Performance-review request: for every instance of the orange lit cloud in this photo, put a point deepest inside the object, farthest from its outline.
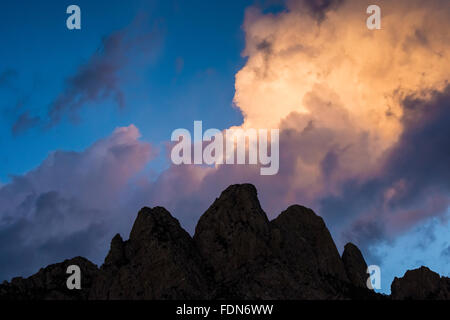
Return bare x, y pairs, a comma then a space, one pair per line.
292, 55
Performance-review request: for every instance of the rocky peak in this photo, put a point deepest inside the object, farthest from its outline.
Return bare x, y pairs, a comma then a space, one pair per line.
238, 204
50, 283
116, 254
307, 238
159, 261
236, 253
421, 284
154, 223
355, 265
244, 250
234, 231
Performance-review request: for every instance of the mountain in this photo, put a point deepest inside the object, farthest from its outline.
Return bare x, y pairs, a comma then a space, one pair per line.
235, 253
421, 284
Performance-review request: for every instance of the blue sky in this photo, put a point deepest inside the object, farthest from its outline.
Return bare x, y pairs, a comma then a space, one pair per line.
189, 74
176, 63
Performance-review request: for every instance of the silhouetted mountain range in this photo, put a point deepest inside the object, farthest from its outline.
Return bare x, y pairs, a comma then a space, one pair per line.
236, 253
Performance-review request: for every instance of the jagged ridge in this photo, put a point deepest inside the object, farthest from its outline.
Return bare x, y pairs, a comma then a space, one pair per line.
236, 253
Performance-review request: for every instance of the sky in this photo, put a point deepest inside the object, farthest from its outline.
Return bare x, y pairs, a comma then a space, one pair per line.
87, 116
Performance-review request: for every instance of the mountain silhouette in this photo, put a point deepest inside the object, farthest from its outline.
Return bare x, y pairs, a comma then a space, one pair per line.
235, 253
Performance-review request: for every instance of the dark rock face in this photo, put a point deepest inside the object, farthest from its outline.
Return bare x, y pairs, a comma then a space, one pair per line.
306, 234
355, 265
421, 284
233, 231
50, 283
303, 244
236, 253
159, 261
291, 257
233, 237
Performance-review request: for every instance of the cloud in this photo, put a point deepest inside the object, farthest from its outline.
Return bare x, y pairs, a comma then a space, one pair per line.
49, 234
363, 139
318, 8
364, 135
94, 81
446, 253
290, 55
413, 183
361, 115
409, 186
97, 80
71, 204
348, 101
24, 122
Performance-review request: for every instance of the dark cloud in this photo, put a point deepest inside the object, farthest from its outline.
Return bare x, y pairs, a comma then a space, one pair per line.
329, 163
42, 238
365, 231
72, 204
24, 122
98, 79
421, 156
414, 182
94, 81
318, 8
411, 186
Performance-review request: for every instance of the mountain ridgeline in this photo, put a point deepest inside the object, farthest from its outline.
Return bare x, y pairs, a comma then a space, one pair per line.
235, 253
